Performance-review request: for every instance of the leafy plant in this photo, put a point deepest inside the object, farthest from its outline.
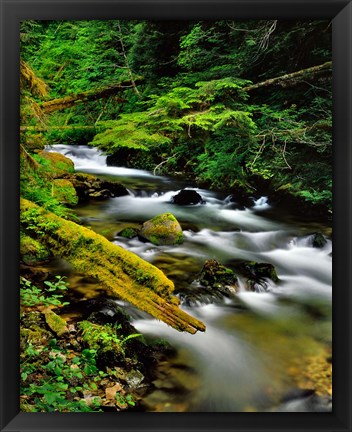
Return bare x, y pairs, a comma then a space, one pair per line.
31, 295
60, 381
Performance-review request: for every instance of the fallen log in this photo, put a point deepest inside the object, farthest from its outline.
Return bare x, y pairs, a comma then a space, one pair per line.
41, 128
123, 273
91, 95
292, 78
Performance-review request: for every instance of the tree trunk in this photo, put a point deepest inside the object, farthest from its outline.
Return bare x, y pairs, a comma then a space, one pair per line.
127, 63
123, 273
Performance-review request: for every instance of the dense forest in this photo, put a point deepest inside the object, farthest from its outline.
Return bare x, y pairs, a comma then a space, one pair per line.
240, 108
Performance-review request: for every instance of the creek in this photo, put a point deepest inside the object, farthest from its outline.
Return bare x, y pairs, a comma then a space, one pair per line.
256, 344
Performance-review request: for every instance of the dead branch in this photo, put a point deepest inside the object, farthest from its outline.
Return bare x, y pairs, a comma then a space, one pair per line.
293, 78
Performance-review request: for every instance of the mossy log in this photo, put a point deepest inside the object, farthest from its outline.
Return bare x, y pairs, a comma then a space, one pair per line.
123, 273
90, 95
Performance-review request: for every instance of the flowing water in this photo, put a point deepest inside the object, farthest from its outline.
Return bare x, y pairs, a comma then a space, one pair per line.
256, 344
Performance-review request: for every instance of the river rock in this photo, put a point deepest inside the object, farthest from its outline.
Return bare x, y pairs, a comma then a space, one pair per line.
57, 324
319, 241
187, 197
134, 378
257, 274
163, 229
90, 187
218, 277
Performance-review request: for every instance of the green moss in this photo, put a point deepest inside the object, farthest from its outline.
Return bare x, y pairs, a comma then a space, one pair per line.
56, 163
32, 251
64, 191
36, 175
55, 322
100, 337
123, 273
163, 229
128, 232
35, 336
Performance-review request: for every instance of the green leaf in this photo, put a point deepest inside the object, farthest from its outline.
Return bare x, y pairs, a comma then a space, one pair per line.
50, 398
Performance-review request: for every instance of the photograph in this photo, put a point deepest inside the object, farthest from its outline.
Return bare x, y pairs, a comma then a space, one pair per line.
176, 215
175, 219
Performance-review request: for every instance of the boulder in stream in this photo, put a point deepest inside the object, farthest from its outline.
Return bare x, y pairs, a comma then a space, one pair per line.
218, 277
257, 274
187, 197
90, 187
319, 241
163, 229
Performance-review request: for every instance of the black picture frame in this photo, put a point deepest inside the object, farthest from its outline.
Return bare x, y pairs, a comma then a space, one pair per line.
340, 12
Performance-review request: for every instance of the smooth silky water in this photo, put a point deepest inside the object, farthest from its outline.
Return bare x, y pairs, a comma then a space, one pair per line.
244, 360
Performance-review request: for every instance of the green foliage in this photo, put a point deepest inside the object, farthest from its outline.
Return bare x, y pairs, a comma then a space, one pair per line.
124, 400
61, 380
104, 337
130, 132
194, 115
50, 295
36, 185
223, 159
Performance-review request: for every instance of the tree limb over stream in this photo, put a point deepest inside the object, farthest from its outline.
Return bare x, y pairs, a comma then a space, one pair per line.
123, 273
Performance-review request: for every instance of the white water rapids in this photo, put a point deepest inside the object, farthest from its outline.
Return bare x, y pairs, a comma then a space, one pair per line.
239, 363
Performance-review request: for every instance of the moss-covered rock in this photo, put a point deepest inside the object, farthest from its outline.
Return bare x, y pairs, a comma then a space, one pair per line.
55, 322
163, 229
32, 251
64, 191
105, 340
56, 163
218, 277
257, 274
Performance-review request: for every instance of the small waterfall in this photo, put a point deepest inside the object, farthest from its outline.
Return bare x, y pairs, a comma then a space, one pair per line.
261, 203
